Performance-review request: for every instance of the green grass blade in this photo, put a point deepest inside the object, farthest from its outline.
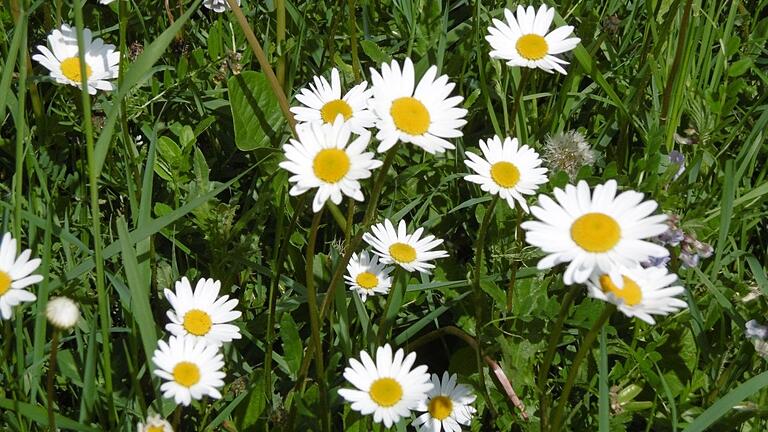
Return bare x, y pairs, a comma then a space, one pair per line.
724, 405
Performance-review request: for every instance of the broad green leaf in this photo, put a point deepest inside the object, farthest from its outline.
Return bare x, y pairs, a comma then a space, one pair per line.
255, 111
292, 346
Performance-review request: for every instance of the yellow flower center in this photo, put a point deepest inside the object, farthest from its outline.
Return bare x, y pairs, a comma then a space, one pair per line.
70, 67
402, 253
197, 322
5, 282
440, 407
332, 109
505, 174
155, 429
331, 165
596, 232
367, 280
186, 374
386, 392
532, 47
630, 293
410, 115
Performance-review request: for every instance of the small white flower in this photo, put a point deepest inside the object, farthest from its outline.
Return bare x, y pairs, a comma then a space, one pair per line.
421, 114
106, 2
323, 103
448, 406
594, 229
63, 61
527, 41
202, 313
155, 423
367, 276
389, 389
218, 6
15, 275
755, 330
323, 158
191, 368
507, 170
637, 291
409, 251
62, 312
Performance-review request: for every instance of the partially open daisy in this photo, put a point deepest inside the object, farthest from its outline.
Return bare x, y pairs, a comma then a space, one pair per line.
448, 406
367, 276
202, 313
527, 41
64, 63
421, 114
389, 388
218, 6
409, 251
15, 275
191, 368
637, 291
323, 102
507, 170
155, 423
322, 159
594, 231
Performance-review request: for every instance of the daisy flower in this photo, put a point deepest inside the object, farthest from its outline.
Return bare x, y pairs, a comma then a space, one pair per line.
323, 158
637, 291
202, 314
367, 276
594, 231
191, 368
155, 423
389, 388
421, 114
323, 103
527, 41
15, 275
409, 251
447, 406
507, 170
62, 60
218, 6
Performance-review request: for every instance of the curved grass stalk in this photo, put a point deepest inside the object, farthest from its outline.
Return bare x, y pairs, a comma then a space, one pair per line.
325, 415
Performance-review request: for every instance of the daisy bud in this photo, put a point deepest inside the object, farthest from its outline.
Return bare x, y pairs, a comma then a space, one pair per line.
62, 312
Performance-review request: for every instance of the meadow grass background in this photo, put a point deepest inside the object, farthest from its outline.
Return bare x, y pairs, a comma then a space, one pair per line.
188, 184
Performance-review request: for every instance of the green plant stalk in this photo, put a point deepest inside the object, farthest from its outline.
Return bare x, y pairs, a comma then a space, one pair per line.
586, 345
516, 264
676, 62
18, 176
518, 100
478, 295
96, 216
280, 39
554, 337
282, 100
352, 29
51, 375
325, 414
388, 317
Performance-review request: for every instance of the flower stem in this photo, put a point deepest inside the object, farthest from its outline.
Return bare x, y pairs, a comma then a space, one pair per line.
176, 418
395, 297
280, 39
554, 337
314, 322
516, 263
573, 371
51, 375
352, 29
478, 295
98, 255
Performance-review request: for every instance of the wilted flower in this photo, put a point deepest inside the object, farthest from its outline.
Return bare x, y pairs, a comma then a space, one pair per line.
568, 151
753, 329
678, 159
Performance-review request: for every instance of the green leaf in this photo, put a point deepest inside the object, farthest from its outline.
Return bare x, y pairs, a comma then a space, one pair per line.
39, 415
255, 111
374, 52
292, 346
257, 402
739, 67
727, 402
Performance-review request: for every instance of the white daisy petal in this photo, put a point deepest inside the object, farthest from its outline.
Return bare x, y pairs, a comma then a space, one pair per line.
15, 275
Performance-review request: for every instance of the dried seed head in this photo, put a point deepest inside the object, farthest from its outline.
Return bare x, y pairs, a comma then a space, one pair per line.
568, 151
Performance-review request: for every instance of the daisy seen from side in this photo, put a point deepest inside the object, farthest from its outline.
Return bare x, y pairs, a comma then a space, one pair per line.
420, 113
507, 169
409, 251
638, 292
201, 313
191, 368
323, 102
218, 6
63, 61
15, 276
525, 40
154, 423
389, 389
594, 230
448, 406
324, 158
367, 276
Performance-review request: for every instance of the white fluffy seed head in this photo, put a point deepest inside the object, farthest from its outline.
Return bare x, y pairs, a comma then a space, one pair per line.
62, 312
